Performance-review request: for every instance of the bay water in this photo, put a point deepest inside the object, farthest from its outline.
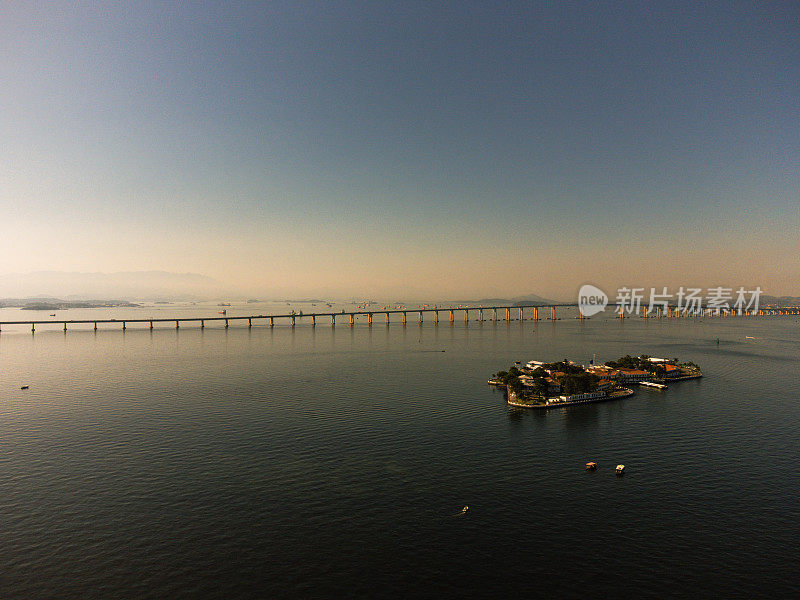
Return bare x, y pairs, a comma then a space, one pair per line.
335, 461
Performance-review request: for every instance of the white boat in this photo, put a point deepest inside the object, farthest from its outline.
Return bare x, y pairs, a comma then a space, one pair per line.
653, 384
620, 469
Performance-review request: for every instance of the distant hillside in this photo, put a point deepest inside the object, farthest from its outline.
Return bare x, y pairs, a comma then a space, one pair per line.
129, 285
779, 301
42, 303
528, 300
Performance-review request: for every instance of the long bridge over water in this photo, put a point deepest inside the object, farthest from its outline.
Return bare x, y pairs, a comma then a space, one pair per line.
482, 313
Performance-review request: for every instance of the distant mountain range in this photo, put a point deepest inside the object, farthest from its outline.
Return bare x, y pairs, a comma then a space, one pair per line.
129, 285
528, 300
779, 301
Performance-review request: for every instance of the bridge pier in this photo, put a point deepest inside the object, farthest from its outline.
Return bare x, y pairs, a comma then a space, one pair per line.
65, 326
387, 318
226, 322
420, 317
249, 322
123, 326
452, 317
535, 313
494, 314
202, 324
313, 320
436, 317
552, 313
95, 326
177, 324
151, 325
466, 315
520, 314
33, 328
369, 318
404, 318
480, 315
508, 314
272, 321
333, 321
352, 319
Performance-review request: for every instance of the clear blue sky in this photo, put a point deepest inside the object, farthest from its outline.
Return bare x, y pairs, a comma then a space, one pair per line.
430, 149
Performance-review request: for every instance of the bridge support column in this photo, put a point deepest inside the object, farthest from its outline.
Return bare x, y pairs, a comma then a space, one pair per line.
272, 321
151, 325
249, 322
65, 326
520, 314
420, 317
352, 319
535, 314
436, 317
369, 318
387, 318
333, 321
452, 317
95, 326
202, 324
123, 326
177, 324
33, 328
313, 320
404, 318
226, 322
480, 315
552, 313
466, 315
508, 314
494, 314
580, 315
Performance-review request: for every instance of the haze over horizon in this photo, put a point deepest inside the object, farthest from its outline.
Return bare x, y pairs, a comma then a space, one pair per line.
410, 150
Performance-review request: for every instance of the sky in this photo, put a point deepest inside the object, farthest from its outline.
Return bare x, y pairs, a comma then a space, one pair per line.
396, 150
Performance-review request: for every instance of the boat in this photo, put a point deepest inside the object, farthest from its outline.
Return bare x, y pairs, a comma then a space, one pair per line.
222, 312
620, 469
591, 466
465, 509
653, 384
53, 315
24, 387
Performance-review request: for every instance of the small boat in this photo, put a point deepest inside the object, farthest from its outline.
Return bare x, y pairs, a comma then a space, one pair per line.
24, 387
53, 315
653, 384
591, 466
620, 469
465, 509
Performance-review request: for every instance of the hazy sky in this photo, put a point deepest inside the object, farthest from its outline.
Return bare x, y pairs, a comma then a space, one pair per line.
404, 149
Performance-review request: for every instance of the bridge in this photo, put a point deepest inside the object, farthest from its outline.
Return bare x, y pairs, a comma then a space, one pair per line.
483, 313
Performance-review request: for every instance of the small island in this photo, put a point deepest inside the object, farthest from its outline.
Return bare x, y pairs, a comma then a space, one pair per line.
548, 385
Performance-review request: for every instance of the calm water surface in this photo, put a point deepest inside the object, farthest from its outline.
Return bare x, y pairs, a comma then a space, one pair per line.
320, 462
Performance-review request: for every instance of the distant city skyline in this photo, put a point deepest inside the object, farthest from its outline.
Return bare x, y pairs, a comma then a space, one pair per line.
408, 150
